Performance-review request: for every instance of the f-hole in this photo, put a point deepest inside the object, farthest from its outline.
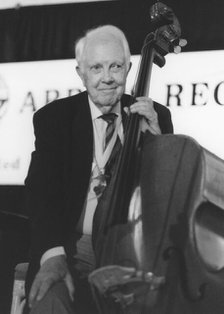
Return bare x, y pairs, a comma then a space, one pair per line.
209, 235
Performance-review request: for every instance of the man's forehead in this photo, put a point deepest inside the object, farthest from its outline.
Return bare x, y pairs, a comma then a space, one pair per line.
101, 36
102, 40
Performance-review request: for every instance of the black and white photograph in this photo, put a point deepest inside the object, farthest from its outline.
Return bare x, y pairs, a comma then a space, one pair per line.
111, 157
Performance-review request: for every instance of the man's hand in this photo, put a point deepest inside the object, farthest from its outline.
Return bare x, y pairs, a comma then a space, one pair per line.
52, 271
144, 107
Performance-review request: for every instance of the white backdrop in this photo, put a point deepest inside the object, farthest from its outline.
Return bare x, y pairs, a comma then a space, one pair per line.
5, 4
191, 84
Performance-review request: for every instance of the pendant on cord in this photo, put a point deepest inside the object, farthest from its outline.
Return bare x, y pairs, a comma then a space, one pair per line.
102, 178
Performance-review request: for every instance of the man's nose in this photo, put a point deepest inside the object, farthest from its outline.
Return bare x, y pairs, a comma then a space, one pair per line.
107, 76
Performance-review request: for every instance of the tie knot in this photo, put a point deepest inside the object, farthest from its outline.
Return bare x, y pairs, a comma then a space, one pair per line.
109, 117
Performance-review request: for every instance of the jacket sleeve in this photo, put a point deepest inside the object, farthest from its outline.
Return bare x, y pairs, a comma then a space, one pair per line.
164, 118
44, 185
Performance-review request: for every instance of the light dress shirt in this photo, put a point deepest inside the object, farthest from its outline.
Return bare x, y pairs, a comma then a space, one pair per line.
100, 159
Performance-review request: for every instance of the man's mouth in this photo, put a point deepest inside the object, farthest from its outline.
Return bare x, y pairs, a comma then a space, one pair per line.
107, 90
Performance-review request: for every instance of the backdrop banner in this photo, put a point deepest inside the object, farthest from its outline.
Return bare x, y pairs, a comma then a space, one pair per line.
6, 4
191, 85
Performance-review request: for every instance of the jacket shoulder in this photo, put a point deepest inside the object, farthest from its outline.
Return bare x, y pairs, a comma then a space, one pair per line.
160, 108
62, 106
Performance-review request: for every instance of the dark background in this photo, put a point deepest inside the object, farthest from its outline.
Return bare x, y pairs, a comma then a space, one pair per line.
49, 32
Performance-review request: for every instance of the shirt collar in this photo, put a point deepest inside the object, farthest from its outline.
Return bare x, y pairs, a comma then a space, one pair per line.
96, 113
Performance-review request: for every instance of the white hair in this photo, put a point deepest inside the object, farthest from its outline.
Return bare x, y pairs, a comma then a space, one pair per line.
103, 32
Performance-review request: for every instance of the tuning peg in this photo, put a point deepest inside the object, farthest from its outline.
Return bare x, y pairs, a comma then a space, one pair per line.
177, 49
182, 43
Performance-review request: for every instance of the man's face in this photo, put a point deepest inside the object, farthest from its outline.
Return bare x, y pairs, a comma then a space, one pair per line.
104, 72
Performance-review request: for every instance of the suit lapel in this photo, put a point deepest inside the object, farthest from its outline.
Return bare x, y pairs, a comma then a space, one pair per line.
82, 150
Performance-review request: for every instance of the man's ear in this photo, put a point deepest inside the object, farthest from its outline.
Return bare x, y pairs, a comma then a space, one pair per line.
79, 72
130, 65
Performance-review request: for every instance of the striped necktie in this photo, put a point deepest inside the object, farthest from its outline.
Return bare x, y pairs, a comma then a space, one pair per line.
110, 119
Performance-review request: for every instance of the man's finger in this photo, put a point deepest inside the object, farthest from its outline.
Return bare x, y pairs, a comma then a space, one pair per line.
144, 98
45, 286
34, 291
143, 107
70, 285
21, 306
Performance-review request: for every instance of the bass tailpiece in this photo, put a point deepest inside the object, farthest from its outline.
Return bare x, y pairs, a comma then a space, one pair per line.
124, 286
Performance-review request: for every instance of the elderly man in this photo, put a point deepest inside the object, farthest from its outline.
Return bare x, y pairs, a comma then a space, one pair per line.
67, 166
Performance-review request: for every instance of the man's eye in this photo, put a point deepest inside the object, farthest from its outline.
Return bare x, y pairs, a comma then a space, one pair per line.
96, 68
116, 67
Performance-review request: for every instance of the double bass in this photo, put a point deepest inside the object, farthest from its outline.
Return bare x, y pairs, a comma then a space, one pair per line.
159, 242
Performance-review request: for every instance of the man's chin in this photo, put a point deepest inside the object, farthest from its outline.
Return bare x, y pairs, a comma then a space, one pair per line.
108, 102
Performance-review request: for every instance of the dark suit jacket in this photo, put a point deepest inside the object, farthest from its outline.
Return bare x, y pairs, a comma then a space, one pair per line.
58, 177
